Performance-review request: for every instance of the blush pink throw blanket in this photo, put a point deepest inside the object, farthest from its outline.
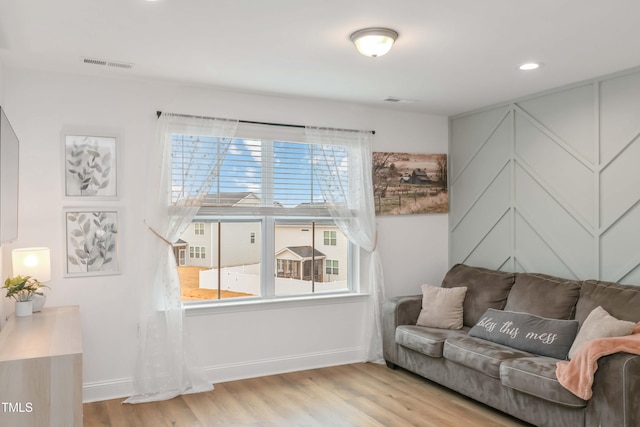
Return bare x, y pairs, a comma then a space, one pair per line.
577, 374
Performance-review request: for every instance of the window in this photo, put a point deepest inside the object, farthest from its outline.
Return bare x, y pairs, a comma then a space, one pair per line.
333, 267
302, 266
329, 238
197, 252
198, 228
233, 268
266, 188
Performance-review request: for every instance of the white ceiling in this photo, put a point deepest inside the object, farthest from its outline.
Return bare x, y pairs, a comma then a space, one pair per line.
452, 55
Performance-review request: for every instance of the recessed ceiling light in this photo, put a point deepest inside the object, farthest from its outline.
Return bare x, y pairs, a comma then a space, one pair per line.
529, 66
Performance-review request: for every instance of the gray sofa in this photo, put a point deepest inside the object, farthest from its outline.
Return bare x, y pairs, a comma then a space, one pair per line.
516, 382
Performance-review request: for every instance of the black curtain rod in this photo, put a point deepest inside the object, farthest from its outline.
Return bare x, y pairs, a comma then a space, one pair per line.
159, 113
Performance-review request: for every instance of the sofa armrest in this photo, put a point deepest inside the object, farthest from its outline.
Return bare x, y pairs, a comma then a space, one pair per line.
395, 312
616, 392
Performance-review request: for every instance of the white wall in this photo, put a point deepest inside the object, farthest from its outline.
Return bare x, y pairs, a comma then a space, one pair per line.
231, 343
413, 247
1, 84
4, 305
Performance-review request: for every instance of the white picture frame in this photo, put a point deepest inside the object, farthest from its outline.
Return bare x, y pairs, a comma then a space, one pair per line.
90, 166
92, 241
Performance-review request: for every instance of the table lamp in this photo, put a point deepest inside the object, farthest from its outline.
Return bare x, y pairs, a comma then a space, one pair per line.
34, 262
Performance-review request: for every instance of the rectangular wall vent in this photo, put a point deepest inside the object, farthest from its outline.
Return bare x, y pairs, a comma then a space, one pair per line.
107, 63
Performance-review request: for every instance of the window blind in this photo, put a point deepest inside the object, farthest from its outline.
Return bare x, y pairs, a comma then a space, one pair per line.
254, 175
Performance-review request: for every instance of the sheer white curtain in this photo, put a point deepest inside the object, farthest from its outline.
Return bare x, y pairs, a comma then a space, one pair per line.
182, 166
342, 160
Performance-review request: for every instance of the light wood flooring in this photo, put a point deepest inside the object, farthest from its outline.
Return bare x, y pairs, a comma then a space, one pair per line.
362, 394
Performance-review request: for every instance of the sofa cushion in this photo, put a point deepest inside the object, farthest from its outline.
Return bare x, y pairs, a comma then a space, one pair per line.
478, 354
524, 331
429, 341
621, 301
543, 295
441, 307
600, 324
485, 289
537, 376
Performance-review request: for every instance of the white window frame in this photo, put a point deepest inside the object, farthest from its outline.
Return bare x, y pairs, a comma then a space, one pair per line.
335, 267
268, 218
198, 228
197, 252
332, 239
268, 267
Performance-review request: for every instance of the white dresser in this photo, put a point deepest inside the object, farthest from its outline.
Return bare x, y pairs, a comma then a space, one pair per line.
41, 369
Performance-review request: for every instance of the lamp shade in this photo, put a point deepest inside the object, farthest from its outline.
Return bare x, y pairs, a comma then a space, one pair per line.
34, 262
374, 42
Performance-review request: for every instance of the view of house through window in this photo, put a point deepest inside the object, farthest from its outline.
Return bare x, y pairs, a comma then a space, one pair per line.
303, 258
221, 244
264, 229
226, 265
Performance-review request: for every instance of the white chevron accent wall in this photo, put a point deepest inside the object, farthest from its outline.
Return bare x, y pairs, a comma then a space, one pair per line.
550, 183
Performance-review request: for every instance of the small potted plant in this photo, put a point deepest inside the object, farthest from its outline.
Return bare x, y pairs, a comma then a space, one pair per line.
22, 289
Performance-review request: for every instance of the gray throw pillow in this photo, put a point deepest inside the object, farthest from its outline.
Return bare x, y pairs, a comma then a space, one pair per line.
600, 324
543, 295
527, 332
441, 307
485, 289
621, 301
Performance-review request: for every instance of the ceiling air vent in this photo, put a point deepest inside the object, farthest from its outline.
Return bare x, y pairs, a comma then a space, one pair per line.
107, 63
398, 100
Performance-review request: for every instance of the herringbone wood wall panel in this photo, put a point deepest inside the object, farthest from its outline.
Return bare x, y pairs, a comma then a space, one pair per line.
551, 183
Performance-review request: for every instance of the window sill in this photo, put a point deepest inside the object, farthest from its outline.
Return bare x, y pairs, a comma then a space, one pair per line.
208, 308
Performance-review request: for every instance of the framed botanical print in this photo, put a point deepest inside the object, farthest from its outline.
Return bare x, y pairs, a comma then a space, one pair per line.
92, 242
90, 166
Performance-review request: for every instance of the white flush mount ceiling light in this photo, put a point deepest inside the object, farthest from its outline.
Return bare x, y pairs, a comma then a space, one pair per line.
374, 42
529, 66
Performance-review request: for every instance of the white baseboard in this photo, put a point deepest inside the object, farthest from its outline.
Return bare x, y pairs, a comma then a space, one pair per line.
107, 390
122, 388
261, 368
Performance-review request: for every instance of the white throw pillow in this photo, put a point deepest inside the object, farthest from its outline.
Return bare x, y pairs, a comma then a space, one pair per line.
600, 324
441, 307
